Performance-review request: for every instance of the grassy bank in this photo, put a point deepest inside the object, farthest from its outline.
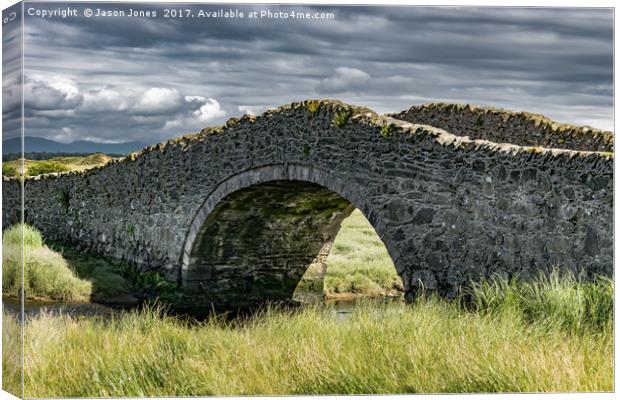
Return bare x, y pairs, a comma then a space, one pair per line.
359, 264
108, 283
512, 338
47, 274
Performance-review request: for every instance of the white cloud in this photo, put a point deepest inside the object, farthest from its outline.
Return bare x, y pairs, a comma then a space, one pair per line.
252, 110
345, 79
195, 99
55, 113
210, 110
173, 124
102, 140
66, 135
105, 99
11, 94
51, 93
159, 100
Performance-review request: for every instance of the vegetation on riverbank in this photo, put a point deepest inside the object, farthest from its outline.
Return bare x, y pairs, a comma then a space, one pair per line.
109, 283
553, 335
47, 274
359, 264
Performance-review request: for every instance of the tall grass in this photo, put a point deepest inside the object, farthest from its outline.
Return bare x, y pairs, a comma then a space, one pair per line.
12, 237
47, 274
359, 264
557, 299
432, 346
11, 355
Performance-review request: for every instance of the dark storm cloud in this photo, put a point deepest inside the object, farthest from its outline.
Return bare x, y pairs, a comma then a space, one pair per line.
123, 78
11, 72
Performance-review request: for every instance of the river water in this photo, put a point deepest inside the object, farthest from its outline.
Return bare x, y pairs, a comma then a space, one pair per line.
33, 308
341, 309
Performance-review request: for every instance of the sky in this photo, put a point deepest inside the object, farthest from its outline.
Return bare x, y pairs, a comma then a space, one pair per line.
115, 79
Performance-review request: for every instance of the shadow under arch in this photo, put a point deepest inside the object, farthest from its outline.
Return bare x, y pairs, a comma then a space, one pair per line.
259, 231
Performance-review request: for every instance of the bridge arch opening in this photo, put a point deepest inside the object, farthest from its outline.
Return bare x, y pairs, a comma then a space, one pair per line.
254, 240
358, 264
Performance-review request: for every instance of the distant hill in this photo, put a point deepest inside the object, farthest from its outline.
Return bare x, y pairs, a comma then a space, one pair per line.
34, 144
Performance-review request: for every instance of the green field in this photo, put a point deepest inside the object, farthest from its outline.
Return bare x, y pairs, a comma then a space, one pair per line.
359, 264
56, 164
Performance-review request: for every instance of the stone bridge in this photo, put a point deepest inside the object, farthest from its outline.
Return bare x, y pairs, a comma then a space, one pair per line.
236, 215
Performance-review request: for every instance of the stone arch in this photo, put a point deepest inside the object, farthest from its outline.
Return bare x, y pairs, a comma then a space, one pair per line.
206, 261
450, 208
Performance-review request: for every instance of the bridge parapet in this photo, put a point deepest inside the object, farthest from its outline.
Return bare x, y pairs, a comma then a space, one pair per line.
502, 126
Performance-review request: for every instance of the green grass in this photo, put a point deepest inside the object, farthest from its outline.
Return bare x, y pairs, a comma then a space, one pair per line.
359, 264
107, 281
13, 236
11, 355
341, 118
46, 167
47, 275
59, 272
9, 170
432, 346
558, 299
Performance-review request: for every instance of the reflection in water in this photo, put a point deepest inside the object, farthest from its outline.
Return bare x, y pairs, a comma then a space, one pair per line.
343, 309
32, 308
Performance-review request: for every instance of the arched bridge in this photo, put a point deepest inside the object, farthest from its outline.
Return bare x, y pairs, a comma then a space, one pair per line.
235, 215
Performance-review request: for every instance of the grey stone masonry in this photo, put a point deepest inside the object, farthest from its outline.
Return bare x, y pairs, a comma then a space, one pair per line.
235, 215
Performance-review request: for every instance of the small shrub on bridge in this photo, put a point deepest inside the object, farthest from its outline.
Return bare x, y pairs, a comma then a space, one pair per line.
313, 107
386, 131
341, 119
479, 121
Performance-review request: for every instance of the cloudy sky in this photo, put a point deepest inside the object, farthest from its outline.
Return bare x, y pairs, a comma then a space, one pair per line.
118, 78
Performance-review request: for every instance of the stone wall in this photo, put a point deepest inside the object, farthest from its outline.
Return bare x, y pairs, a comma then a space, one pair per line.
448, 208
503, 126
